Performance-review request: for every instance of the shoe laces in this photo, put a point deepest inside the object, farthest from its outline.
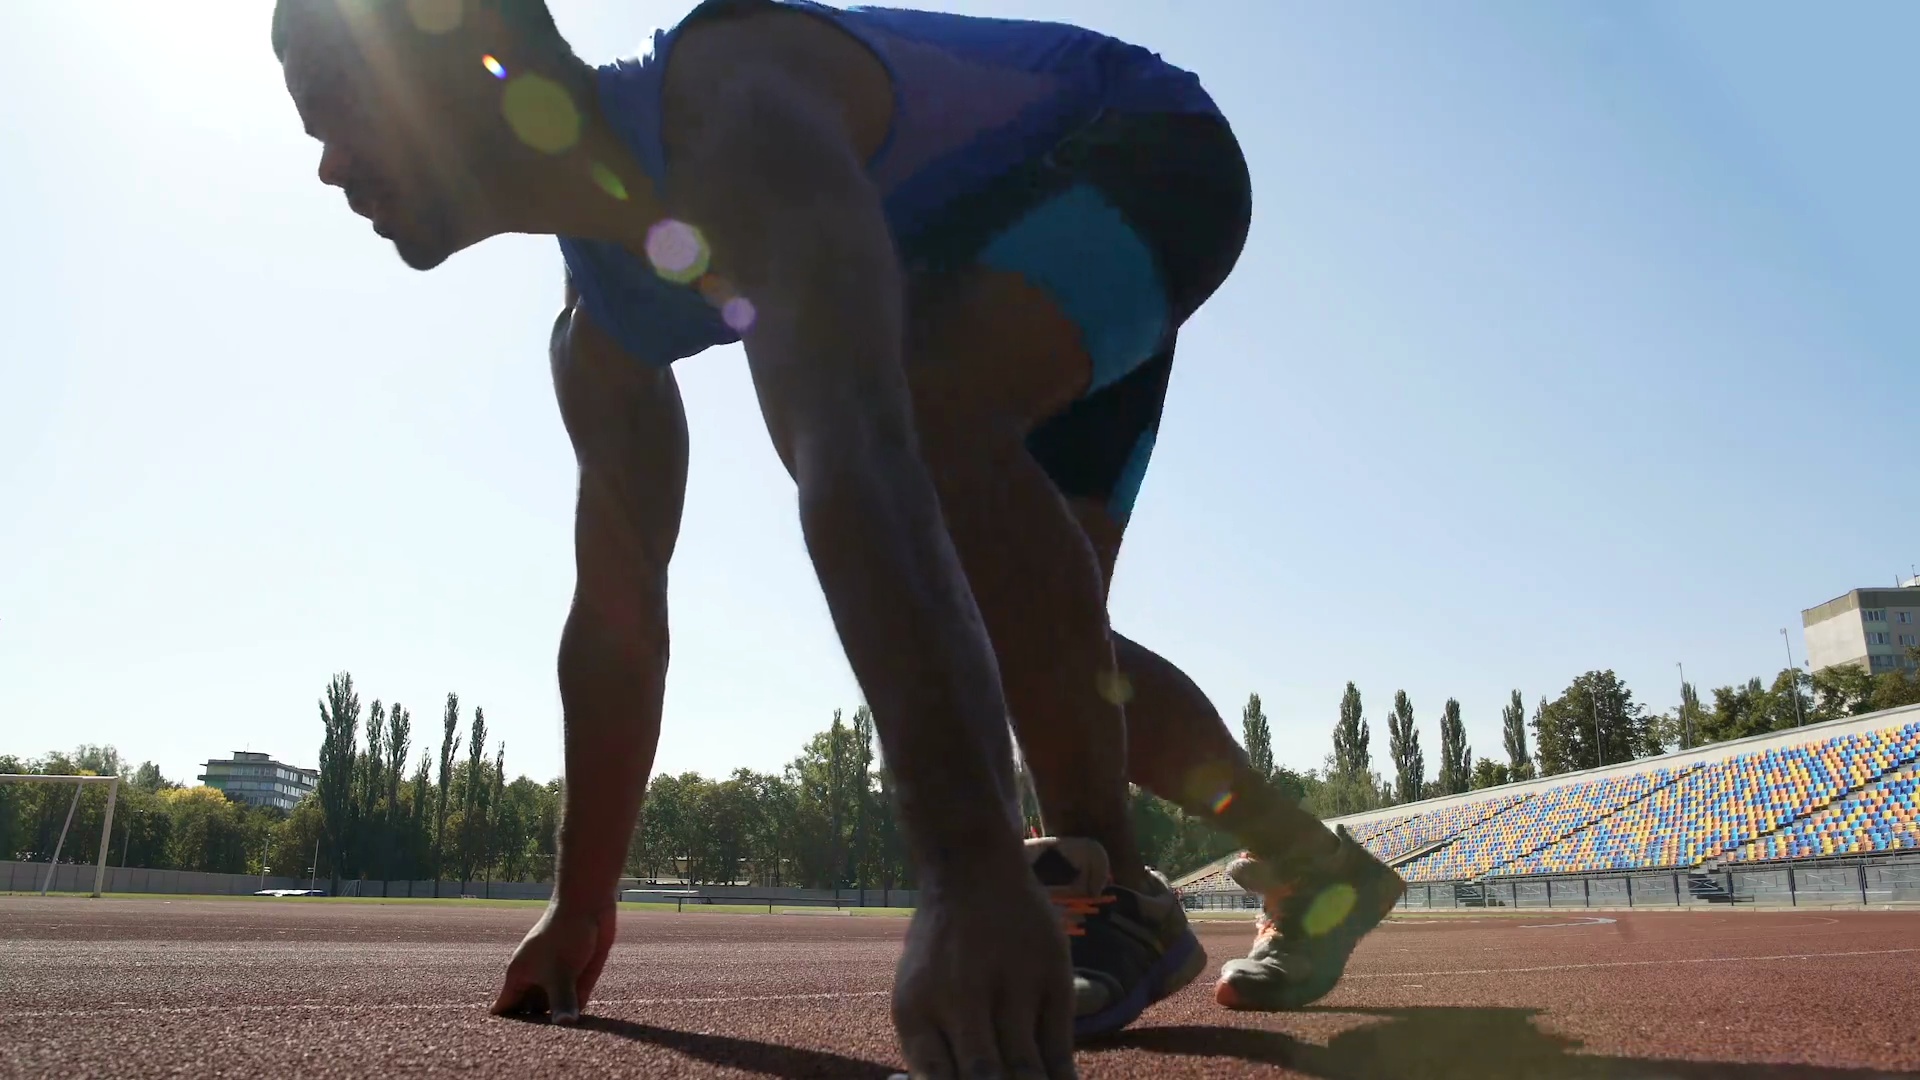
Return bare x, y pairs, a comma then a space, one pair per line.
1074, 910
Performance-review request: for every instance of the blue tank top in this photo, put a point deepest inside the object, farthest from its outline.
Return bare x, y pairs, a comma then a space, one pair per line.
973, 98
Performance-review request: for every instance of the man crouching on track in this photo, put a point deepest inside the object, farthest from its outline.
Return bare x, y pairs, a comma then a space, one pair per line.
958, 252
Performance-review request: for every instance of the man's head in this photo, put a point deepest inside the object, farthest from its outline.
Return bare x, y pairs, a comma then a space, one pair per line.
413, 103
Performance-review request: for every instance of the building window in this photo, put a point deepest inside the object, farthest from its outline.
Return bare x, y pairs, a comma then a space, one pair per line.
1878, 637
1910, 639
1874, 614
1903, 616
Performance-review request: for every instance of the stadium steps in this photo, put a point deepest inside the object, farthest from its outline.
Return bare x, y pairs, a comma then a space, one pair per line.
1422, 852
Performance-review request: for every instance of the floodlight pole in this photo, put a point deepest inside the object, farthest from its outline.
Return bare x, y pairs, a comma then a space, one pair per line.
1686, 717
1798, 719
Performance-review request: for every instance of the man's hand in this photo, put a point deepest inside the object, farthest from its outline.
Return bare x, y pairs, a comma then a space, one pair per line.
557, 964
985, 987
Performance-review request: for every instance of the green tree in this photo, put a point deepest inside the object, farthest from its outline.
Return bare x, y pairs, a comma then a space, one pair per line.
418, 819
471, 834
393, 843
339, 721
148, 779
1403, 742
205, 832
1490, 773
1257, 736
1513, 732
1842, 690
1456, 757
1594, 722
449, 750
1351, 756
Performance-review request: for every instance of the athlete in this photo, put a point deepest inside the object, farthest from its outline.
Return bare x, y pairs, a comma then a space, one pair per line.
958, 252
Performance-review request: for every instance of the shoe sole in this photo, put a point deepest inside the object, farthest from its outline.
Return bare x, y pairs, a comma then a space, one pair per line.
1177, 967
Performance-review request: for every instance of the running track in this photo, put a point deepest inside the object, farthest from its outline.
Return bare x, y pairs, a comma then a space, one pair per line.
128, 988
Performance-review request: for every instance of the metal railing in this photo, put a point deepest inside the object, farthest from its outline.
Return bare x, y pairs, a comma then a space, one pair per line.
1832, 882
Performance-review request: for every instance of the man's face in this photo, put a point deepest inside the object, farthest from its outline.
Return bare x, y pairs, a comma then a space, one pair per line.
404, 130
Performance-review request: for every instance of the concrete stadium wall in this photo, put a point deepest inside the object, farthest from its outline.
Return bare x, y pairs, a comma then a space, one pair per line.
78, 877
24, 877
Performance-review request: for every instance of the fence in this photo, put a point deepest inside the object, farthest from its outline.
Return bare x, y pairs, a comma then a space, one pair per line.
21, 877
1813, 883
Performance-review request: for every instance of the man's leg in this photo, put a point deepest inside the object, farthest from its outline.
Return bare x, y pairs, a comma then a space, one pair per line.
991, 354
1179, 747
1321, 891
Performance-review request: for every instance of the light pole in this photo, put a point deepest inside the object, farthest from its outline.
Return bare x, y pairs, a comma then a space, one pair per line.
266, 852
1798, 719
1599, 757
1686, 716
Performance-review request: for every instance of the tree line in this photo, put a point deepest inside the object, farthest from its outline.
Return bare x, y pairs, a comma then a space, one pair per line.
827, 818
1594, 721
381, 813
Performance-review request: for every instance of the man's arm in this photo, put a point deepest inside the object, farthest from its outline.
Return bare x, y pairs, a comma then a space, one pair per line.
629, 435
769, 164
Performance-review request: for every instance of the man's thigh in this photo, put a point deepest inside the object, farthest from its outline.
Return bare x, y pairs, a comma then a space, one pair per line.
1077, 272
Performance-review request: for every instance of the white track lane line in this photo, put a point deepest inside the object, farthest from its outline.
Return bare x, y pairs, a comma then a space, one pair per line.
1623, 963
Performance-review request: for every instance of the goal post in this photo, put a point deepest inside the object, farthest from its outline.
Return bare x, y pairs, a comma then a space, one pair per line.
106, 820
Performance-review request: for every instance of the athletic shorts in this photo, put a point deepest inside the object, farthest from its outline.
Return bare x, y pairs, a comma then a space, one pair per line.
1130, 223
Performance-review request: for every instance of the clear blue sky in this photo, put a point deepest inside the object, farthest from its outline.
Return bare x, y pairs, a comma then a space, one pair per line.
1569, 335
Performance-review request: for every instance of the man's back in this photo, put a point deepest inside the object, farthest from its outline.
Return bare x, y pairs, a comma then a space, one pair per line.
973, 99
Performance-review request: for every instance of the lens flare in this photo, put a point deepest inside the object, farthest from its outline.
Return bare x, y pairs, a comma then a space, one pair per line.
1114, 687
541, 113
608, 182
1329, 909
715, 289
677, 251
1221, 802
494, 67
738, 314
436, 16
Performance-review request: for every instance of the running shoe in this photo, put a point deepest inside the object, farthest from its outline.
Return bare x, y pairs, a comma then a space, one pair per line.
1311, 917
1130, 948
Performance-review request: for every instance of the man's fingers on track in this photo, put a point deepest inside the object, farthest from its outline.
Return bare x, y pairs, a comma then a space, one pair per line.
1055, 1031
508, 999
928, 1057
564, 998
590, 978
1017, 1024
514, 993
976, 1049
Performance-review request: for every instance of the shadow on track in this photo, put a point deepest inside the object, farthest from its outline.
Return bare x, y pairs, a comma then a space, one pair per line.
768, 1059
1451, 1044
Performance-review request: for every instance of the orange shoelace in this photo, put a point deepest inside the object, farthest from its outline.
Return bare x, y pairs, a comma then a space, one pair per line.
1075, 909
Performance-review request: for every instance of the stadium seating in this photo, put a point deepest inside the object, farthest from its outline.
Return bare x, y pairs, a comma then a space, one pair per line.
1534, 823
1715, 809
1880, 817
1798, 795
1411, 833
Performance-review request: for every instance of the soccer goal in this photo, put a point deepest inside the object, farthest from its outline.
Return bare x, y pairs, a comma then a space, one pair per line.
106, 824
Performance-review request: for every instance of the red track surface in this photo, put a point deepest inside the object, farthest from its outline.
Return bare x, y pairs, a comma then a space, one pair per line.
254, 988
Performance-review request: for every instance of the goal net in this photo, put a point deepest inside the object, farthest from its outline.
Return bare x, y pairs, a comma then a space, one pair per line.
106, 824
